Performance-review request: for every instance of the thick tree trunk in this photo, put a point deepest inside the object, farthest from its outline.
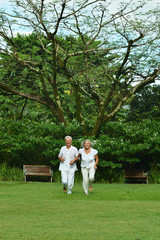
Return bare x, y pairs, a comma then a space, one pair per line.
54, 85
99, 120
79, 111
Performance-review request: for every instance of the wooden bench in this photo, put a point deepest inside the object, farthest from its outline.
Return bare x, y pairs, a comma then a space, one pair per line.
135, 175
37, 170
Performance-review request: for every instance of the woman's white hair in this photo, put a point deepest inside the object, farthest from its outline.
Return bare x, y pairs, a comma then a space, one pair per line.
87, 140
68, 137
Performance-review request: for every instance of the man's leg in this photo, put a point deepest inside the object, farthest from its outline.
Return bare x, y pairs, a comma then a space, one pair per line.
85, 179
64, 180
91, 177
70, 181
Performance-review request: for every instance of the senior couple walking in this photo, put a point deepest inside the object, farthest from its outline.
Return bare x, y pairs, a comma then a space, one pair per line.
68, 157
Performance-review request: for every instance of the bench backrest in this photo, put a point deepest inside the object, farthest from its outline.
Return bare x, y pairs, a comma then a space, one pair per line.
134, 172
36, 169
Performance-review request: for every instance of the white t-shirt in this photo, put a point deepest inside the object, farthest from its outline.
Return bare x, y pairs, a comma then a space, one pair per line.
88, 159
68, 155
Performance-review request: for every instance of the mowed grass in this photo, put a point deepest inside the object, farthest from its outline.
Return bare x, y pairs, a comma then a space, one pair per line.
41, 211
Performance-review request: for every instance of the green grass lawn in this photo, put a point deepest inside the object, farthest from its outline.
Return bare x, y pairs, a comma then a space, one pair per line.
41, 211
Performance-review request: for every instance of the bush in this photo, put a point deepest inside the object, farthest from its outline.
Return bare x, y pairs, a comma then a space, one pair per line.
130, 143
154, 175
119, 145
109, 175
24, 142
10, 173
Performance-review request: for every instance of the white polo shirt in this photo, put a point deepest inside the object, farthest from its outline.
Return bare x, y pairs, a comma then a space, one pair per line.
88, 159
68, 155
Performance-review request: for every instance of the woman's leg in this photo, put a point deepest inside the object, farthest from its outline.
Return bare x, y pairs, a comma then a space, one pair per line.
91, 177
85, 179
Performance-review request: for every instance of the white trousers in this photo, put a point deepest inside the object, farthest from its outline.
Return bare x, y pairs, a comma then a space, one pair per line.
88, 177
67, 179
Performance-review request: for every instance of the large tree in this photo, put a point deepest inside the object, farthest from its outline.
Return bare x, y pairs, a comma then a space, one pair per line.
116, 57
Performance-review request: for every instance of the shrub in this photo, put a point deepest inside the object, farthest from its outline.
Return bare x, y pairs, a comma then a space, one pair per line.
154, 175
109, 175
119, 144
10, 173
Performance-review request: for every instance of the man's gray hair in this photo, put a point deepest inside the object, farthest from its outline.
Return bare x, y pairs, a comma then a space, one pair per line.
87, 140
68, 137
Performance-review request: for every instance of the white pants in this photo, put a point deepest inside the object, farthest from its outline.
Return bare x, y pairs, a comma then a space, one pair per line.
67, 179
88, 177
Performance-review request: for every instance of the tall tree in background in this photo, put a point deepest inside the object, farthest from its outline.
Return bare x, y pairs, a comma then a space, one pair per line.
145, 104
116, 57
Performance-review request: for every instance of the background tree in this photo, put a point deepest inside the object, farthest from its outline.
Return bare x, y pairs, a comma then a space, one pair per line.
116, 56
145, 104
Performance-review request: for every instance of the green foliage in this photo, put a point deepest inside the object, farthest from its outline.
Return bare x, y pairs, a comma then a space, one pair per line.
21, 78
145, 104
56, 176
74, 129
130, 143
154, 175
27, 142
85, 67
109, 174
10, 173
119, 144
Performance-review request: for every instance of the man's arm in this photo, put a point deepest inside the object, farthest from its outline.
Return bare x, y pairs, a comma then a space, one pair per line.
61, 159
59, 156
75, 160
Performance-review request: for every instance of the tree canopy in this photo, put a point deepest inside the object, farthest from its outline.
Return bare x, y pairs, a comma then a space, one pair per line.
80, 61
145, 104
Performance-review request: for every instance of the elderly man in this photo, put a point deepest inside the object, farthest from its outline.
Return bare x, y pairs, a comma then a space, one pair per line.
68, 156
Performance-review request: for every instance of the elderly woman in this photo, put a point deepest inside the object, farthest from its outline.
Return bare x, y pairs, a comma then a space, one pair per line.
89, 161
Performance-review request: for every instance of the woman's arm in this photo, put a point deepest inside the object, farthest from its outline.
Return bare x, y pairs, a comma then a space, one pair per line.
97, 160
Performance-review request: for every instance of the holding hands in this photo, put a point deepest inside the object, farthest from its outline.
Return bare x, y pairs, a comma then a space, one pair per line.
71, 162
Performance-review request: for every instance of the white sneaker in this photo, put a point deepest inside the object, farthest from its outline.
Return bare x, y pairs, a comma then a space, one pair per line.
69, 192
